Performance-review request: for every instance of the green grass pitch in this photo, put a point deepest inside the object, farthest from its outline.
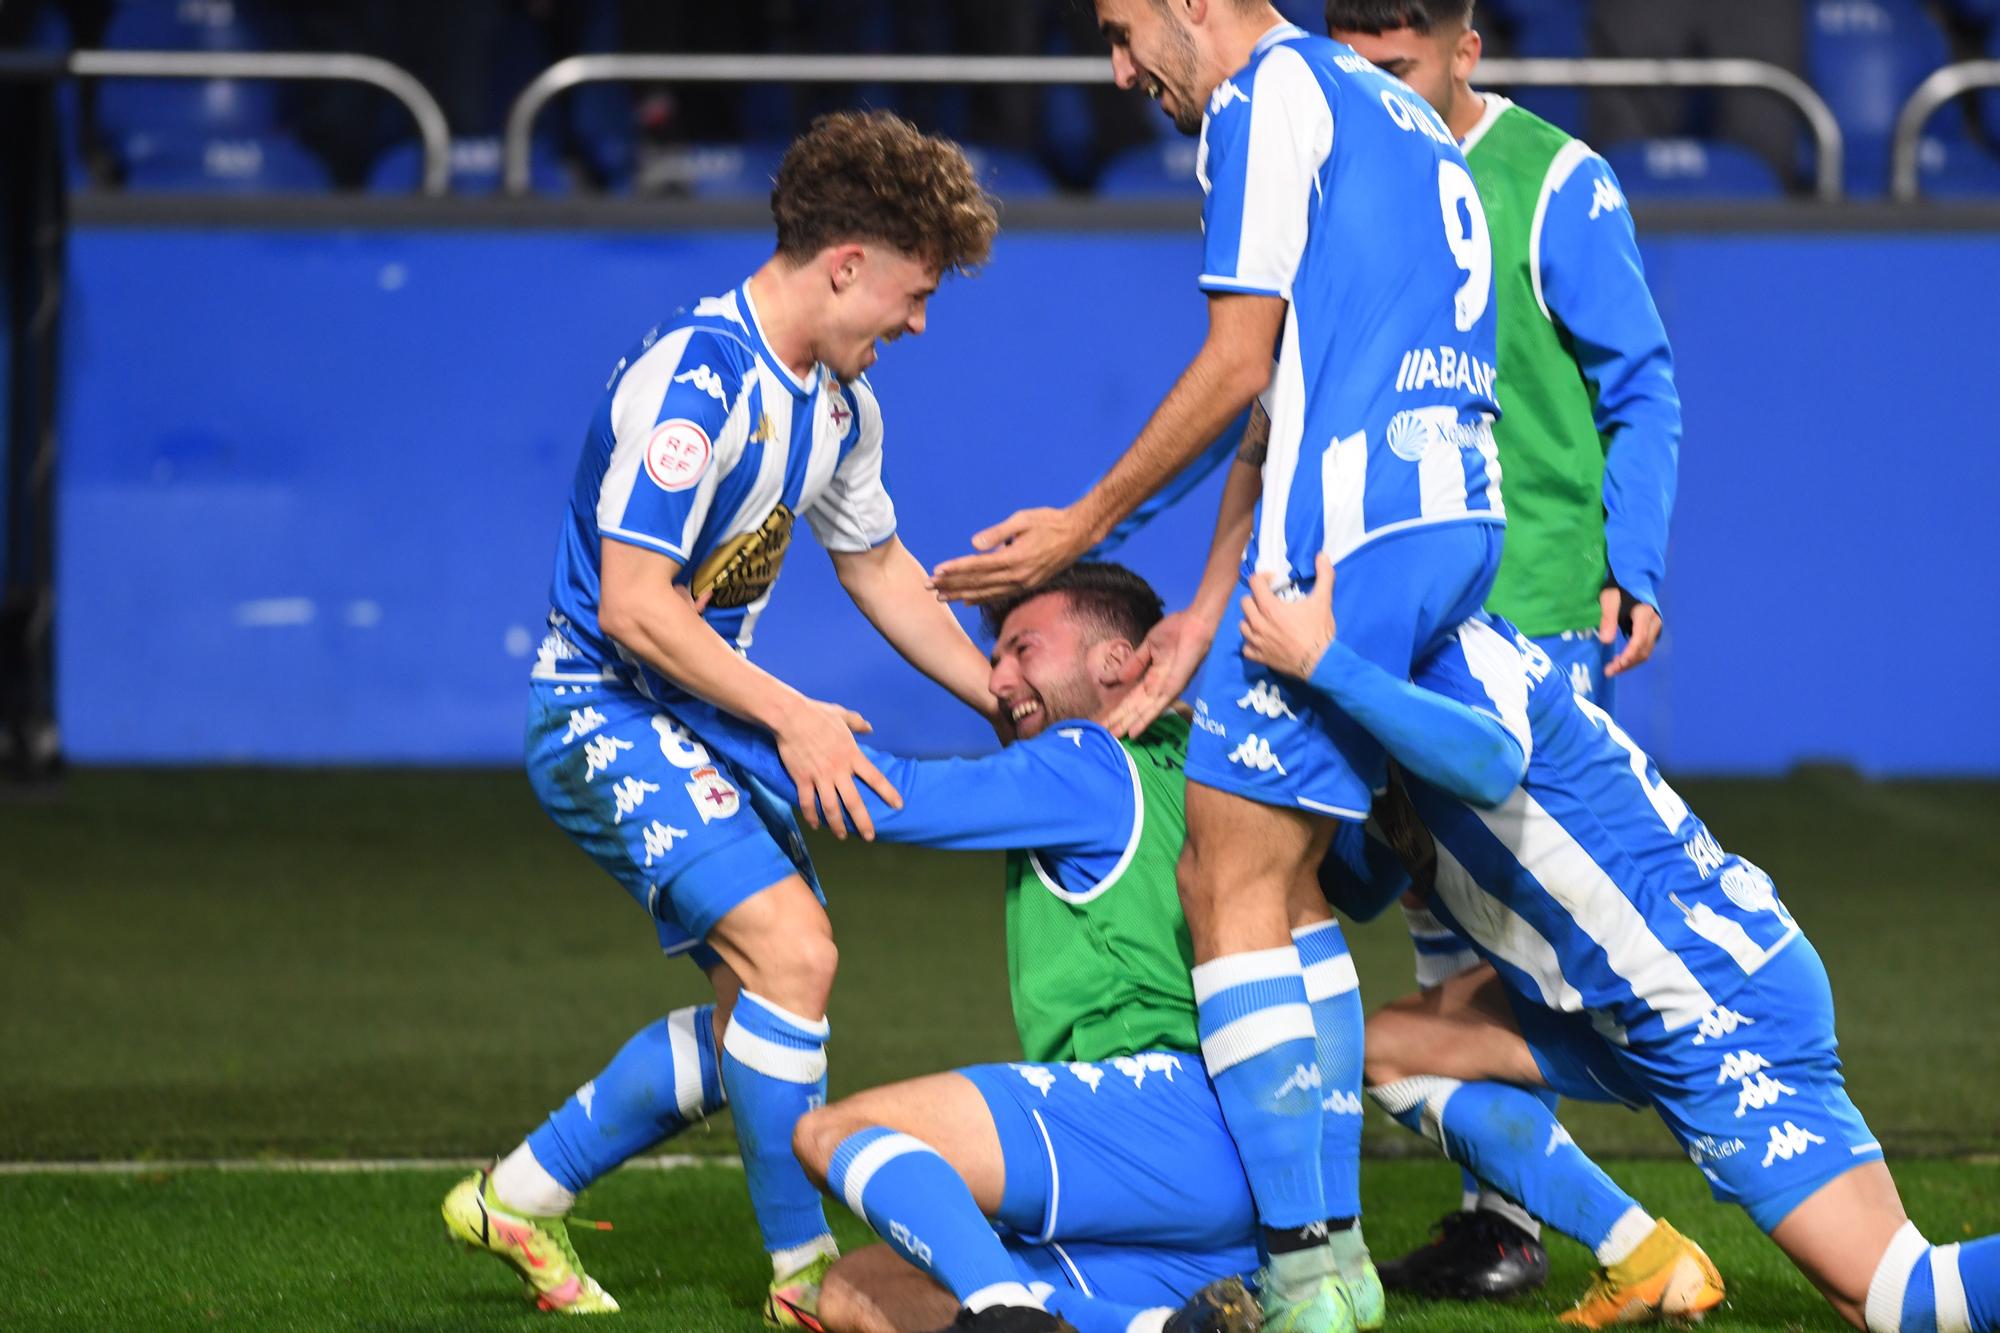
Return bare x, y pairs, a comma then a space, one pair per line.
247, 964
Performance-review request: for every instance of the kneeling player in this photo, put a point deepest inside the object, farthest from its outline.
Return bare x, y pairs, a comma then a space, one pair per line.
1104, 1164
1632, 959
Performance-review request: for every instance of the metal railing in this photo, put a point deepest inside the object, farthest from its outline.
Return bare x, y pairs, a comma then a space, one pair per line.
391, 79
1945, 85
576, 71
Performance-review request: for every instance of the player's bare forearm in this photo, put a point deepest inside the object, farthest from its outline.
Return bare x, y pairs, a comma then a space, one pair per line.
647, 615
1233, 522
1232, 368
893, 591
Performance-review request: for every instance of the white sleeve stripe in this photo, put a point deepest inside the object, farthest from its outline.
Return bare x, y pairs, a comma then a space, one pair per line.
641, 539
1573, 155
1496, 664
1239, 285
1291, 134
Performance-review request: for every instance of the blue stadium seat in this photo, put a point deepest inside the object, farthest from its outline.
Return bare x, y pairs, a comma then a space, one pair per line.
197, 109
1009, 173
266, 164
477, 167
712, 171
1160, 170
1866, 57
1692, 169
1975, 11
1957, 169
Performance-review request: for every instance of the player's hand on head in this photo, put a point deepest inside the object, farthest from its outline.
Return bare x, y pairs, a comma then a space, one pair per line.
1289, 637
1171, 654
1640, 621
1029, 548
816, 743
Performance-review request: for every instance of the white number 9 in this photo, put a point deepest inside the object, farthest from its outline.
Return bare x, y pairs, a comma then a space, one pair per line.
1470, 241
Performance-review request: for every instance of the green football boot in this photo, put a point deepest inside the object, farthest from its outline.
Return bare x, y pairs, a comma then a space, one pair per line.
1326, 1307
1364, 1290
538, 1248
793, 1301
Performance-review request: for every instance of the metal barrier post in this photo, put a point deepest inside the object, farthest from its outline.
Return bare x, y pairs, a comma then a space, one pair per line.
1945, 85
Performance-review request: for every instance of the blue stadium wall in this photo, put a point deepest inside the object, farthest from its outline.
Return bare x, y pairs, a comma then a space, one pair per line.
312, 478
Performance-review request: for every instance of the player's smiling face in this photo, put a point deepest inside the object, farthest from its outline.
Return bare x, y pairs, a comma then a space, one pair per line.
1153, 50
1042, 668
879, 294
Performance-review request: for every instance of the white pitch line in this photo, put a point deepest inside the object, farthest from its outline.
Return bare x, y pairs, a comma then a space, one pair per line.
318, 1166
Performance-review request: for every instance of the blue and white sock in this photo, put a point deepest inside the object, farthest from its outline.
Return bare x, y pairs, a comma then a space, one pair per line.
922, 1208
1339, 1024
1921, 1288
1261, 1048
774, 1068
1505, 1136
660, 1082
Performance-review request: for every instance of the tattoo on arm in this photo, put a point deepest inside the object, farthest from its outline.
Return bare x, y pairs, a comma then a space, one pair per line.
1256, 438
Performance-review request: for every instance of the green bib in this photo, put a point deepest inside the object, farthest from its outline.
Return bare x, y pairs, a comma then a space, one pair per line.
1102, 971
1551, 456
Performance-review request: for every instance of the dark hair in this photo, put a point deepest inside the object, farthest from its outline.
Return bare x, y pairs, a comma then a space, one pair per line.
1376, 17
1110, 596
873, 176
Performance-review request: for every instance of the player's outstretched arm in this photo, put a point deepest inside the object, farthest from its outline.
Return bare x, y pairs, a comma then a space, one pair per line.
1444, 742
1226, 375
646, 614
1594, 283
893, 591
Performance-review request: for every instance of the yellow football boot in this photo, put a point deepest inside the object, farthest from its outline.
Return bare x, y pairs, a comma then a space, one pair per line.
1666, 1278
538, 1248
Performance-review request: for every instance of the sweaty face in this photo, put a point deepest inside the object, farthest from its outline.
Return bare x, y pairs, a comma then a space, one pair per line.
1422, 60
1041, 668
1154, 51
883, 295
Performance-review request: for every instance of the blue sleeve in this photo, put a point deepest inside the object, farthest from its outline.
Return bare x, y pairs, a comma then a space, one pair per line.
1478, 754
671, 419
1191, 476
1593, 284
1360, 876
1068, 790
1267, 134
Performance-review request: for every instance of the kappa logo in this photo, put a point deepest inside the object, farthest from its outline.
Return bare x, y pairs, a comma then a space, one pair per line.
1742, 1064
1720, 1022
1040, 1078
585, 1095
582, 721
1267, 701
1305, 1078
1136, 1067
1225, 95
629, 794
1558, 1136
1787, 1142
712, 795
1255, 753
1088, 1075
599, 753
1604, 198
765, 431
660, 839
678, 744
705, 381
1761, 1092
1579, 680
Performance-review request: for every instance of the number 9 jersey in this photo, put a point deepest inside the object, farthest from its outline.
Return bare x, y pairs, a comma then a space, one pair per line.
1335, 187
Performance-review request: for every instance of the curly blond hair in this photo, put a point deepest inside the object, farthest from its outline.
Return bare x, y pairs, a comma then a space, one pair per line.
873, 176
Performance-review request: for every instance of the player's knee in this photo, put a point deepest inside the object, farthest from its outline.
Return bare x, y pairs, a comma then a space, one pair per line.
816, 1136
797, 971
1385, 1057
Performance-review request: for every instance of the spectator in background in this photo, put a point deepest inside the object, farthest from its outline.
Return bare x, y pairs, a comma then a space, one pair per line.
1768, 30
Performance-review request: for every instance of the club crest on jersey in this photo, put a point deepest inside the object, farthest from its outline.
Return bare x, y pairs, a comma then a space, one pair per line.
839, 412
712, 795
677, 454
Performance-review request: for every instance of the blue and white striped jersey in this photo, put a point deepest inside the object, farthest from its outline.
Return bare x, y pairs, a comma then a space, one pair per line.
706, 448
1592, 885
1334, 186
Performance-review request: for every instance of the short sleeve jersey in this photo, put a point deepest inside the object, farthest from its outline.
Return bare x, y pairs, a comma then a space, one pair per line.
706, 449
1330, 184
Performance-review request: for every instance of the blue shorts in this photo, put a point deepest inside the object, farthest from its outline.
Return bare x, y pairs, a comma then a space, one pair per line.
1257, 735
1753, 1093
1122, 1180
688, 836
1582, 659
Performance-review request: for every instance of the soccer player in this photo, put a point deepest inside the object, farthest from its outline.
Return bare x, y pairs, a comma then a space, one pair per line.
1344, 234
716, 432
1104, 1161
1588, 442
1632, 959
